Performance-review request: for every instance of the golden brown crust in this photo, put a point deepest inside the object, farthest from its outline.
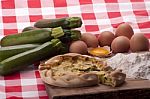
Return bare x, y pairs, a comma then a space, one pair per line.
118, 77
86, 76
69, 80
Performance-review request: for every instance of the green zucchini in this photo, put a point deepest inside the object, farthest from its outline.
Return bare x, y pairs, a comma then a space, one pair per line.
20, 61
9, 51
31, 37
41, 36
70, 35
29, 28
65, 23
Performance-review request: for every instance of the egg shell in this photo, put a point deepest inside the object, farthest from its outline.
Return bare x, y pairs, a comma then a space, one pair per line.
78, 47
124, 30
120, 44
139, 42
90, 39
106, 38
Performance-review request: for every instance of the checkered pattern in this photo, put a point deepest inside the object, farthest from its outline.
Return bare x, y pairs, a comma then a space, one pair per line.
97, 15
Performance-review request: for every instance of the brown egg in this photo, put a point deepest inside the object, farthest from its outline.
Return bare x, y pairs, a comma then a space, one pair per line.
120, 44
139, 42
90, 39
124, 30
78, 47
106, 38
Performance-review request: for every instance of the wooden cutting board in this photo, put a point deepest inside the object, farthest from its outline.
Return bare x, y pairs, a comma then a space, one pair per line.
132, 89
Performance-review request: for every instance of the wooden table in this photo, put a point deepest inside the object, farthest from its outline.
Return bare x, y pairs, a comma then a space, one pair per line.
132, 89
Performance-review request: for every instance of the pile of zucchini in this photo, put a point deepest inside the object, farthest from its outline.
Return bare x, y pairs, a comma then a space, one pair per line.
48, 37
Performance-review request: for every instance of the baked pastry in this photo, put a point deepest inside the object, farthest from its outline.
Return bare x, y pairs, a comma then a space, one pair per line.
76, 70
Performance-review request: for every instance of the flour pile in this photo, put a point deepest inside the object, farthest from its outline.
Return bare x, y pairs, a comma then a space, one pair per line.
134, 65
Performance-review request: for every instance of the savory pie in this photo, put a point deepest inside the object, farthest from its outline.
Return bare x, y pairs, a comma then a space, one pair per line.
76, 70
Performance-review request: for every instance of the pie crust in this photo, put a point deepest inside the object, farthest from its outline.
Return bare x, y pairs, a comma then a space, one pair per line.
76, 70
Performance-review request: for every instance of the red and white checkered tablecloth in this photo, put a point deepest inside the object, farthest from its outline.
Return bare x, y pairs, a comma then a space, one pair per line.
97, 15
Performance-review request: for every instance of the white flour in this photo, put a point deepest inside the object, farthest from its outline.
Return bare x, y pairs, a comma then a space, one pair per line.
135, 65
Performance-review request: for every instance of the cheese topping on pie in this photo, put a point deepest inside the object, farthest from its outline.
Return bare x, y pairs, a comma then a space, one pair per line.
79, 65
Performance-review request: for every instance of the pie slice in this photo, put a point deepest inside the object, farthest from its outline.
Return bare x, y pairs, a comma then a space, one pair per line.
76, 70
